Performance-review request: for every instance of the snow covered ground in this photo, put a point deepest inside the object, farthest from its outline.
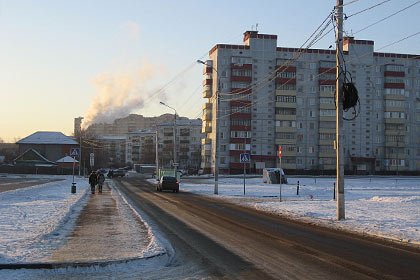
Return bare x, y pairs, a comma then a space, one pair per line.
380, 206
35, 220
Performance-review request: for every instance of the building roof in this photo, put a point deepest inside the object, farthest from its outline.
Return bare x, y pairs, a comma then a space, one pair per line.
67, 159
48, 137
32, 157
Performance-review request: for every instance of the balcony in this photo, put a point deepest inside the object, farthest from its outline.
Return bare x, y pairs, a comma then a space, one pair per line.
285, 129
394, 74
394, 85
207, 82
286, 92
207, 91
326, 70
245, 79
205, 141
286, 81
206, 129
243, 66
286, 117
286, 104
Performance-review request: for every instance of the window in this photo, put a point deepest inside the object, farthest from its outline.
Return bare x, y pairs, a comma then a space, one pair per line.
327, 113
241, 73
327, 88
285, 124
286, 111
240, 134
286, 74
241, 60
286, 98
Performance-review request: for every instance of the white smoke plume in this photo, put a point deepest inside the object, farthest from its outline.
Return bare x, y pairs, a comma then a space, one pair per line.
118, 95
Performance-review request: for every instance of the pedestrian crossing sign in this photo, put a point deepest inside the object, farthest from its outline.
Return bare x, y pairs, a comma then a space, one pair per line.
245, 158
74, 152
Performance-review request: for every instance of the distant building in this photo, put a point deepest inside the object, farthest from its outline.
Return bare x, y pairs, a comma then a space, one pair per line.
131, 123
274, 96
114, 147
51, 145
77, 126
141, 147
129, 146
187, 143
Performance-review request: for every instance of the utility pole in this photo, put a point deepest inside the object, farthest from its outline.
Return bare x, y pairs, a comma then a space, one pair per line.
157, 156
339, 112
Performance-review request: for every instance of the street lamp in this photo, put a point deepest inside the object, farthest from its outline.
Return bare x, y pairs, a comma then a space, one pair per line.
174, 163
216, 145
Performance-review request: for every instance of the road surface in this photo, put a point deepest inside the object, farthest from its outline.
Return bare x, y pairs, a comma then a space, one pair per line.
230, 241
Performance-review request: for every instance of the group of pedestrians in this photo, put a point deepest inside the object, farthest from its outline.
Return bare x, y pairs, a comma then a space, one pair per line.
96, 178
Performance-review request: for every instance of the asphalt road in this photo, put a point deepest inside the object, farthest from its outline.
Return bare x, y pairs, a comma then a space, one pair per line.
229, 241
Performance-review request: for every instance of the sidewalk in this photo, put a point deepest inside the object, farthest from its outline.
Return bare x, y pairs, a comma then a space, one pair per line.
106, 230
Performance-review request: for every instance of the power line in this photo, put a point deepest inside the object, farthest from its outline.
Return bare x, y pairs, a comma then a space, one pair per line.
387, 17
396, 42
243, 108
367, 9
349, 3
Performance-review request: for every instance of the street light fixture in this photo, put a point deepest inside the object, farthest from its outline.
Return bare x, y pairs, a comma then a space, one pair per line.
216, 144
174, 163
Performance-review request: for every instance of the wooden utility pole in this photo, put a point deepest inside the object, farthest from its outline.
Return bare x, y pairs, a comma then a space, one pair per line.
339, 112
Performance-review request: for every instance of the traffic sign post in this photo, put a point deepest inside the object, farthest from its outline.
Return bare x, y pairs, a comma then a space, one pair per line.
92, 159
74, 152
244, 158
280, 154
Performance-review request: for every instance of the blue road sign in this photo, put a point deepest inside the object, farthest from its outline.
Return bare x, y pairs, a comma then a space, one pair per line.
245, 158
74, 152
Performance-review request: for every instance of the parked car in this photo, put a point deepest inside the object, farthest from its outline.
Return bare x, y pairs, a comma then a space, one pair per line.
168, 183
116, 173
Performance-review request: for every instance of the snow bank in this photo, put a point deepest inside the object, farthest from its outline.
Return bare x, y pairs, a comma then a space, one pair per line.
379, 206
34, 220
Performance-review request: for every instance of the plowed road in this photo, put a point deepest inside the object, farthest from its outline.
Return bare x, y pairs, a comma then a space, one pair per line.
229, 241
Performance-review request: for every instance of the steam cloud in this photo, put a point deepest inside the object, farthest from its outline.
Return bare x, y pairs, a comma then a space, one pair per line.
118, 95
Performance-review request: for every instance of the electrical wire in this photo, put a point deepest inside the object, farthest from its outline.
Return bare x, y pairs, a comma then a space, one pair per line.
367, 9
349, 3
387, 17
319, 74
396, 42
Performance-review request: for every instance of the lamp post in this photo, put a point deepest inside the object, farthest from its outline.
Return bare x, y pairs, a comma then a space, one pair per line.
174, 163
216, 145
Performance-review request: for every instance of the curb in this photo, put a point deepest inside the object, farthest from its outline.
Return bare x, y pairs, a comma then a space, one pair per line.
51, 265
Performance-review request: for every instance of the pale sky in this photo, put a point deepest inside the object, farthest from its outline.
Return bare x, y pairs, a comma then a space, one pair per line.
64, 59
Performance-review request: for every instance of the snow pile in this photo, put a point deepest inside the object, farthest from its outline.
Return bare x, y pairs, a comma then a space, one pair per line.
378, 206
34, 220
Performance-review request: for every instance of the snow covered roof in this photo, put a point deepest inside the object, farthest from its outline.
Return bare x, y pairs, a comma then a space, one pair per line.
34, 158
67, 159
47, 137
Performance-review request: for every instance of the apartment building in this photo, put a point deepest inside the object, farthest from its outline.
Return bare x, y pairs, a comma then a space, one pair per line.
187, 143
131, 123
141, 147
272, 96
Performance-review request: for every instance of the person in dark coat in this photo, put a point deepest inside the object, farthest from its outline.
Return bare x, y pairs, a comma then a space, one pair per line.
101, 180
93, 180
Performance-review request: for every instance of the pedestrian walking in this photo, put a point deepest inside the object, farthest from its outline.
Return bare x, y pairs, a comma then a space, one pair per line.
93, 180
101, 180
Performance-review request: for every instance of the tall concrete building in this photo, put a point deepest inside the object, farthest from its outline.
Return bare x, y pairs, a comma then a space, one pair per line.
272, 96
